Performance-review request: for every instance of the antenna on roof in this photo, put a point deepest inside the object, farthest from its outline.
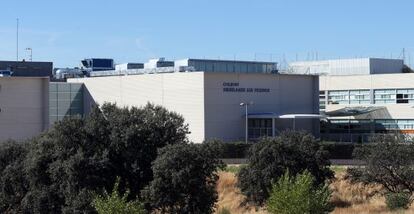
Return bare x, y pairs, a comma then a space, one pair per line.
17, 39
403, 54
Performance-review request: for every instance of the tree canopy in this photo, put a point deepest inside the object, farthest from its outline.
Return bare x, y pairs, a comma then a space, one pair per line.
59, 170
185, 178
389, 161
270, 158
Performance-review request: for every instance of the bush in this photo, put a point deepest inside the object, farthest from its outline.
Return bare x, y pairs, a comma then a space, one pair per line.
235, 150
270, 158
117, 204
297, 194
185, 178
13, 181
233, 168
78, 156
401, 200
339, 150
335, 150
388, 161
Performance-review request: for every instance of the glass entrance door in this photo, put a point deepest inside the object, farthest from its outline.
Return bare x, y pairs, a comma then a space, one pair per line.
260, 128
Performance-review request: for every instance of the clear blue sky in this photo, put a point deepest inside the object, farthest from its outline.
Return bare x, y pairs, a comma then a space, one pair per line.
133, 31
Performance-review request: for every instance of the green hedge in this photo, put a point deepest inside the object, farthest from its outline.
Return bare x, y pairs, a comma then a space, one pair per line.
336, 150
339, 150
235, 150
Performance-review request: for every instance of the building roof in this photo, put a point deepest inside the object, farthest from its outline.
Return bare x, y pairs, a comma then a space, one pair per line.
228, 60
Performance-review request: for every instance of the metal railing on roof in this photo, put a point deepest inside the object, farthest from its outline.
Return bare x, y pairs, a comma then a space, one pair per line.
142, 71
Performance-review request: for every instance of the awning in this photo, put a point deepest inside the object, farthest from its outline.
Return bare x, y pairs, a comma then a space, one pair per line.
302, 116
270, 115
353, 111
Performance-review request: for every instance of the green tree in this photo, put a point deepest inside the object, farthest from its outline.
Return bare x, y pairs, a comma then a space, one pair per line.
388, 161
185, 178
12, 178
83, 155
115, 203
271, 157
400, 200
297, 194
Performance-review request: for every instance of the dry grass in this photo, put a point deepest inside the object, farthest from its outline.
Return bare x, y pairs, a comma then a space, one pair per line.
347, 197
359, 198
356, 198
230, 196
346, 194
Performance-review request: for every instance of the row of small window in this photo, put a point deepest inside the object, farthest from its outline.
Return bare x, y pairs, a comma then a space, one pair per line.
394, 96
387, 124
382, 96
211, 66
349, 97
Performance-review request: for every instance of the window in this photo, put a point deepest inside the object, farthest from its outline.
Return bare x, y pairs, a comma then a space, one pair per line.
260, 128
405, 96
359, 97
322, 101
338, 97
349, 126
392, 96
349, 97
384, 96
392, 125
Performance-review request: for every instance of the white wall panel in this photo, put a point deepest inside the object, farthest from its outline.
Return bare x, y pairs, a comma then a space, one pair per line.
24, 107
288, 94
179, 92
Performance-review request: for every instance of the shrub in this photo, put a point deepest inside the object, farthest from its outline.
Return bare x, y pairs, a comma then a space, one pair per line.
13, 182
233, 168
235, 150
388, 161
78, 156
297, 194
339, 150
270, 158
185, 179
224, 211
116, 204
400, 200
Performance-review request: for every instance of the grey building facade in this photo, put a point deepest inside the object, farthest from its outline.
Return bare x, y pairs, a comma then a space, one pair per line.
65, 100
340, 67
28, 69
23, 107
210, 65
210, 101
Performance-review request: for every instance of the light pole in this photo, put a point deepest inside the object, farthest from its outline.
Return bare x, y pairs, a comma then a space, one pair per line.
247, 121
31, 53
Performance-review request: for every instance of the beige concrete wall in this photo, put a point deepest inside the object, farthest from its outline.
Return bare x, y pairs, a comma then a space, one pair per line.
24, 107
199, 97
376, 81
372, 82
289, 94
179, 92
